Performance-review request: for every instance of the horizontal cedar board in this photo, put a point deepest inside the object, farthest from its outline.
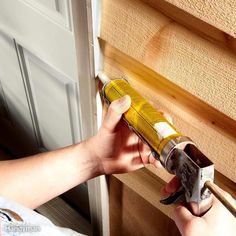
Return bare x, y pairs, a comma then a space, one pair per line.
148, 186
133, 215
199, 66
195, 24
221, 14
211, 130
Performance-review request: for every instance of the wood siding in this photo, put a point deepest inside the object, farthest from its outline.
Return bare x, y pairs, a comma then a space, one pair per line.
183, 61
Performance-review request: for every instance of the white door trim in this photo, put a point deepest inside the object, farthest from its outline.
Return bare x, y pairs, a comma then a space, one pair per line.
89, 57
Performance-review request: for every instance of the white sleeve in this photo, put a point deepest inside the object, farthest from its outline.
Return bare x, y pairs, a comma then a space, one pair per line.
16, 219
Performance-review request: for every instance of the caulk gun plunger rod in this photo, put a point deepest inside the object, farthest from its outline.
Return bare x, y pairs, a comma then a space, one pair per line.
212, 187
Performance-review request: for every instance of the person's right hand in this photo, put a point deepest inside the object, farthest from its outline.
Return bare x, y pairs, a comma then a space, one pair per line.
116, 148
217, 221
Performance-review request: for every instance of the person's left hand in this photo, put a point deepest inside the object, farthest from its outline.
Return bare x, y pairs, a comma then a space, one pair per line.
216, 221
118, 148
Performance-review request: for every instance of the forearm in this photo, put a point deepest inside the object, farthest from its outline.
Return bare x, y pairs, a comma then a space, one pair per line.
34, 180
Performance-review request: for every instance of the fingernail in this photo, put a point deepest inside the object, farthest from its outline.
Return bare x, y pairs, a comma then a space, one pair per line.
164, 193
125, 100
172, 186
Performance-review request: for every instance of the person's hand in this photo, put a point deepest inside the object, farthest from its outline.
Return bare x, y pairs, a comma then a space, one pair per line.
117, 148
217, 221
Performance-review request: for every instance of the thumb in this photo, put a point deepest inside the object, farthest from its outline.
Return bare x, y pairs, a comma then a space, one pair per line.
182, 216
115, 111
171, 187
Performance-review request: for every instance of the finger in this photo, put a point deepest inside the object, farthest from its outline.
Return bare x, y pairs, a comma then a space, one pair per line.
182, 216
144, 151
171, 187
146, 154
152, 160
164, 193
115, 111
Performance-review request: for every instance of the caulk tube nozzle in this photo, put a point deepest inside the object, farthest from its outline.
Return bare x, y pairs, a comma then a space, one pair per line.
103, 77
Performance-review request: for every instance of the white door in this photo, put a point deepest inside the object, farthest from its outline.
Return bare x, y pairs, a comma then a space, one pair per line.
47, 86
41, 50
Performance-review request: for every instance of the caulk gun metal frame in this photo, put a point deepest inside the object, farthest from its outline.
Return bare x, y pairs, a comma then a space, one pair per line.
182, 158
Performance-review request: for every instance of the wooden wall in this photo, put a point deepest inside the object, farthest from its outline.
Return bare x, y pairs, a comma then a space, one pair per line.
220, 14
181, 57
132, 215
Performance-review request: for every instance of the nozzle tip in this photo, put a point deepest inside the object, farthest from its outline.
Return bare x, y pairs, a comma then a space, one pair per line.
103, 77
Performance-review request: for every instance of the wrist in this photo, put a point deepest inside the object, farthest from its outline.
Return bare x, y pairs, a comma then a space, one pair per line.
90, 146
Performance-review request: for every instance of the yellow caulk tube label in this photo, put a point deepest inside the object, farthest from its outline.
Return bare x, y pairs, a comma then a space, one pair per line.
142, 116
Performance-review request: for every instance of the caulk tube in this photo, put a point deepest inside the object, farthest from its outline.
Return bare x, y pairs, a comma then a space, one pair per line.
145, 120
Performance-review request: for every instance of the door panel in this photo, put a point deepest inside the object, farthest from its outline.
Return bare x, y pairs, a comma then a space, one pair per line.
51, 4
56, 10
13, 90
3, 110
54, 104
39, 74
15, 118
36, 27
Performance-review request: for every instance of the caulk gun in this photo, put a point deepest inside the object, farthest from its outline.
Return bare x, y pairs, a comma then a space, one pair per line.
177, 153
